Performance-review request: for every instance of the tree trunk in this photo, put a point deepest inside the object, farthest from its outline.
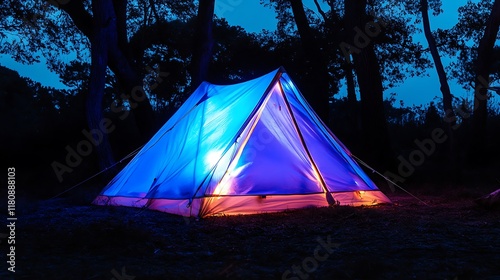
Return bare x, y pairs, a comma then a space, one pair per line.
103, 23
477, 150
203, 42
317, 85
351, 88
352, 104
133, 87
374, 123
120, 60
120, 7
450, 117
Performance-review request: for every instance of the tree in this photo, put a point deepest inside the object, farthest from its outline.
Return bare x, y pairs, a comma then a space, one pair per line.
476, 65
115, 32
316, 70
462, 40
101, 41
482, 80
450, 117
108, 38
230, 66
371, 89
387, 28
389, 36
315, 80
119, 51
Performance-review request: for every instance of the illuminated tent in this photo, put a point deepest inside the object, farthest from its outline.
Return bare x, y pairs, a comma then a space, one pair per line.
245, 148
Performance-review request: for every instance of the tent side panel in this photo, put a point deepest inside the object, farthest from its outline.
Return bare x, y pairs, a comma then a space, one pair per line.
183, 152
340, 171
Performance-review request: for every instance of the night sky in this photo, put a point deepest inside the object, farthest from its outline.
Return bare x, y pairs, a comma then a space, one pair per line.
254, 17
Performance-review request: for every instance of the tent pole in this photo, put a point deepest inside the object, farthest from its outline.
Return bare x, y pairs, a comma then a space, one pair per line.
329, 197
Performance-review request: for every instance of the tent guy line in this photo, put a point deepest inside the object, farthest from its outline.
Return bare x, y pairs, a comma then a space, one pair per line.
137, 150
386, 178
98, 173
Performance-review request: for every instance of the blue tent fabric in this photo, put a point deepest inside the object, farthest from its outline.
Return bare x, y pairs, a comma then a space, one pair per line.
242, 142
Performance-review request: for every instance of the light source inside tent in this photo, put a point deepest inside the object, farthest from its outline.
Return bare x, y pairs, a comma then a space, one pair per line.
222, 187
212, 158
225, 185
227, 182
360, 193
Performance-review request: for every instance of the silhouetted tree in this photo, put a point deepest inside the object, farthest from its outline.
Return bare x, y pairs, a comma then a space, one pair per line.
367, 69
482, 80
102, 42
119, 51
450, 117
316, 70
118, 31
315, 81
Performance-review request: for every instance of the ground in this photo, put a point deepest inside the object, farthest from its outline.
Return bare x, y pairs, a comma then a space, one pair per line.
450, 238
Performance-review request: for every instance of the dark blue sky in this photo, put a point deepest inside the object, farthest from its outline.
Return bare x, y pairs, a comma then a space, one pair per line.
254, 17
420, 90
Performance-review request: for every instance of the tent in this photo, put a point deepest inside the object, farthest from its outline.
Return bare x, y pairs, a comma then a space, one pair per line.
245, 148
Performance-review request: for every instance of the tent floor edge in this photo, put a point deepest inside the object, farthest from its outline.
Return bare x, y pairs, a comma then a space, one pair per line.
249, 204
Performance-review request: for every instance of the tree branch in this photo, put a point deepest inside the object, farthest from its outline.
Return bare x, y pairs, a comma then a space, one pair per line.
155, 12
318, 7
120, 7
80, 16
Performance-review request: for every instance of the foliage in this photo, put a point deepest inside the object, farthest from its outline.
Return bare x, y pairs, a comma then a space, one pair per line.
401, 57
461, 42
